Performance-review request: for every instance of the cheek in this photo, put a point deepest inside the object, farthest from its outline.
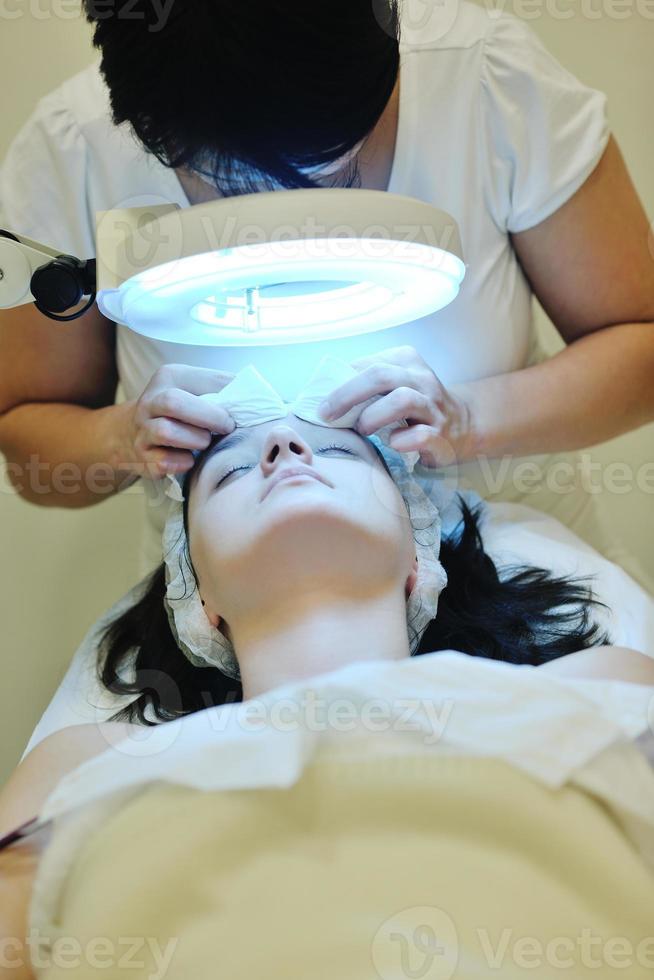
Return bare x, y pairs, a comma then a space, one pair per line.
388, 505
385, 497
220, 529
208, 527
214, 515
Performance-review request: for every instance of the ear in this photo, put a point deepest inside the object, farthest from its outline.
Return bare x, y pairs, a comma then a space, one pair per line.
213, 617
412, 579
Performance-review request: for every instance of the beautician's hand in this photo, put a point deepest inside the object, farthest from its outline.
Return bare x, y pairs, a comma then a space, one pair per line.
169, 420
439, 423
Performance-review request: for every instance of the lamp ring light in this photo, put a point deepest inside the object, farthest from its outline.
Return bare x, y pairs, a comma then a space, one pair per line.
259, 269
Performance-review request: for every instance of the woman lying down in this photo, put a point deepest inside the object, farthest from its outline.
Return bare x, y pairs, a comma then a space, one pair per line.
343, 780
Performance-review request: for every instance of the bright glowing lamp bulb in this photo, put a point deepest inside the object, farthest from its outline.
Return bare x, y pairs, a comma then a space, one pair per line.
278, 268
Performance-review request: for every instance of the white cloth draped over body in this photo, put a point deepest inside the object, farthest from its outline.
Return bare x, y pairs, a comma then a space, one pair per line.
559, 732
492, 129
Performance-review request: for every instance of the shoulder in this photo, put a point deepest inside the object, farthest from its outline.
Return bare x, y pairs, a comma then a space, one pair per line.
52, 152
64, 123
24, 794
609, 663
455, 24
79, 102
466, 48
74, 744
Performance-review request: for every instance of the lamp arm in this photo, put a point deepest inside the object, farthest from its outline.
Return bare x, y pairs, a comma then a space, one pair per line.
31, 272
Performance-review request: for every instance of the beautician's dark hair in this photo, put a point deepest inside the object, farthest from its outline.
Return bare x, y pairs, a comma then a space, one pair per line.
521, 615
268, 85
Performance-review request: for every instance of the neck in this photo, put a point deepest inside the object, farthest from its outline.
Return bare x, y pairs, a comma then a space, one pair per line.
318, 634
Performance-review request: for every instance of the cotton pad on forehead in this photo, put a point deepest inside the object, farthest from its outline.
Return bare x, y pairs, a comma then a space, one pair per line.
251, 400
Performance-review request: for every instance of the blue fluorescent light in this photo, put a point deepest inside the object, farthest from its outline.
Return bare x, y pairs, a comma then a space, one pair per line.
286, 291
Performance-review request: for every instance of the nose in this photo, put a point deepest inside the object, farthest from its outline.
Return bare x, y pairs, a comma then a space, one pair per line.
284, 446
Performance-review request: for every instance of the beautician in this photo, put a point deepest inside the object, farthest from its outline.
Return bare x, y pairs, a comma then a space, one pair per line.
468, 112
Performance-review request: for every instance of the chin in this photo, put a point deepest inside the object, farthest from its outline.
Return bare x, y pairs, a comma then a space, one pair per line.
326, 528
309, 503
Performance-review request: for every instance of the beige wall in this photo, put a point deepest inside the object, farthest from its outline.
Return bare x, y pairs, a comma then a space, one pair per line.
61, 569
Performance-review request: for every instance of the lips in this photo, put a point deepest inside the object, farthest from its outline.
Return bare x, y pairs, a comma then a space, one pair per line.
292, 471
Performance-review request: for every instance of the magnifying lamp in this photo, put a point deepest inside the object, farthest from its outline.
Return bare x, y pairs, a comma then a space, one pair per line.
265, 269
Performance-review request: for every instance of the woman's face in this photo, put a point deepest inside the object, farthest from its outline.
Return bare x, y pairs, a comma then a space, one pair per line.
257, 540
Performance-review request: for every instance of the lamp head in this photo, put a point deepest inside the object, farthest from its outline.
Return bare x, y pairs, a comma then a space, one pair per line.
283, 267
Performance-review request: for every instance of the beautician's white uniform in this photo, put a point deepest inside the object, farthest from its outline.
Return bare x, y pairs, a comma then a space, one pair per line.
492, 129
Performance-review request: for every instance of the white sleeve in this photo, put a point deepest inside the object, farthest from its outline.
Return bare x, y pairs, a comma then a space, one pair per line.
43, 181
543, 131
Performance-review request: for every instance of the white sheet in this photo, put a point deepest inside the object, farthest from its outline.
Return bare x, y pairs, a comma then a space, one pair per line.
555, 730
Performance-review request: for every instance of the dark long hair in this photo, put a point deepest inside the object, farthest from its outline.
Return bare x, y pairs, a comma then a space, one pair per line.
258, 88
523, 616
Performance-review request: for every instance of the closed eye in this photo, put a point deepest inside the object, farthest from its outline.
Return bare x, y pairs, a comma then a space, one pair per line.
234, 469
324, 449
342, 449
